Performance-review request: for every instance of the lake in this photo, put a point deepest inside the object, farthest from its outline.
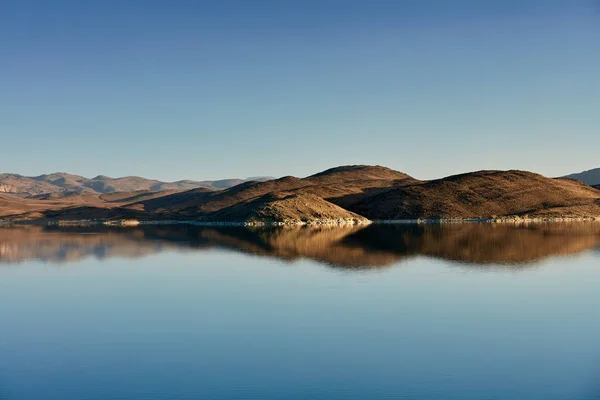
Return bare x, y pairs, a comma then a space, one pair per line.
456, 311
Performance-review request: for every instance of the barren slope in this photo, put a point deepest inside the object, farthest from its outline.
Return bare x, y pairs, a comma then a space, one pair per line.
287, 208
342, 186
484, 194
349, 173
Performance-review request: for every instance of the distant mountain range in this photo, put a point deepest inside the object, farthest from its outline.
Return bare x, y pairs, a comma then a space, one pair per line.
589, 177
346, 194
67, 184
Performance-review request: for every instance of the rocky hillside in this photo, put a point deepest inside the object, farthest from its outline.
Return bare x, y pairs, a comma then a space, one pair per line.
288, 208
589, 177
66, 184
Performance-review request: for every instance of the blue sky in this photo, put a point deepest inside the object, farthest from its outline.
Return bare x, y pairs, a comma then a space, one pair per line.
236, 88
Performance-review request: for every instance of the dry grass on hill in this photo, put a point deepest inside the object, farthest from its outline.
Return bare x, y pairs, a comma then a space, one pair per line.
350, 192
287, 208
484, 194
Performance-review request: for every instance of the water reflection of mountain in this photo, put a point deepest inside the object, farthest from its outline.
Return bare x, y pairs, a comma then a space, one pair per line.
345, 247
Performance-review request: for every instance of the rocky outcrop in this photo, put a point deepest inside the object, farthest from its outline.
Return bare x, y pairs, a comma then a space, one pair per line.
6, 189
288, 209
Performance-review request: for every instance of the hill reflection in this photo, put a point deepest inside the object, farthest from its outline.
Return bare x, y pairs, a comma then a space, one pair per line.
343, 247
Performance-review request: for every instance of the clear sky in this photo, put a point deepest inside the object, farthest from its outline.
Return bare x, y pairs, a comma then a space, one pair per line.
234, 88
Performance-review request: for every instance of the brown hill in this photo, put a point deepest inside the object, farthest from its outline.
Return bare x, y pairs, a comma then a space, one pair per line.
484, 194
349, 173
287, 208
200, 203
342, 193
341, 186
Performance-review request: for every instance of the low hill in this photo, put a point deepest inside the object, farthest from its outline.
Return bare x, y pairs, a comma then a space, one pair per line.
484, 194
287, 208
341, 186
590, 177
202, 202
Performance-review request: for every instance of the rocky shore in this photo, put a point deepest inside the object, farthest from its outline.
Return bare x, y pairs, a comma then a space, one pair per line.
324, 222
497, 220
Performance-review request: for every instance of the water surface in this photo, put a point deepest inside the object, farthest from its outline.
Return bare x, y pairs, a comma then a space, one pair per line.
465, 311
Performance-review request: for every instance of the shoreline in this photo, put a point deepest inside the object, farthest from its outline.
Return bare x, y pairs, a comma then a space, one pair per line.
418, 221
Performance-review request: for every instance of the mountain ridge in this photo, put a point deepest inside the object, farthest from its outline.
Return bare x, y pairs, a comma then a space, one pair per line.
59, 182
590, 177
346, 194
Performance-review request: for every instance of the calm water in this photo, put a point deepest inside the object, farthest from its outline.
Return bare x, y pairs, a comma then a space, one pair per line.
383, 312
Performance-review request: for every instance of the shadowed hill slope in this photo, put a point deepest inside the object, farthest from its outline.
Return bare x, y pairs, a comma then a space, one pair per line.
331, 185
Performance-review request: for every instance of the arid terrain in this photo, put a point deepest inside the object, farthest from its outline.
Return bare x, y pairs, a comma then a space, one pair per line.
342, 195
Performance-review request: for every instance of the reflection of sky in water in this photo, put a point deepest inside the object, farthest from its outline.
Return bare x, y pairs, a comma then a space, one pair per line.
223, 325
